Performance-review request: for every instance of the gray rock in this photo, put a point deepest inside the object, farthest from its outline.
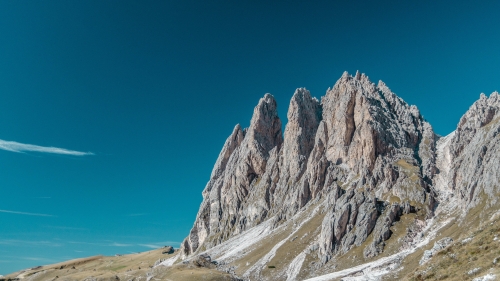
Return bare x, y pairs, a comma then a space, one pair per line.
363, 152
203, 261
438, 246
167, 250
475, 153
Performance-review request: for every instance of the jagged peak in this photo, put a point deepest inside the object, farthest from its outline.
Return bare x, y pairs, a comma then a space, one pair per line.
479, 114
267, 107
301, 93
265, 125
358, 75
382, 86
237, 127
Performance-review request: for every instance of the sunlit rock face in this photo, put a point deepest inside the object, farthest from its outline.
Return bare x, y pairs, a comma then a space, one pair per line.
362, 149
347, 168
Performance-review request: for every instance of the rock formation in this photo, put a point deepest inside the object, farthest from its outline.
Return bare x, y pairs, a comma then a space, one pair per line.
357, 183
371, 154
475, 153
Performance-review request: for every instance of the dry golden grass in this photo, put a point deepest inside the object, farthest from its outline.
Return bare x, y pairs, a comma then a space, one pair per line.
456, 261
124, 267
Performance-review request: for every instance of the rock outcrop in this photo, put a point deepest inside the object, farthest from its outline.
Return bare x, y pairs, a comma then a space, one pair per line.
240, 165
475, 153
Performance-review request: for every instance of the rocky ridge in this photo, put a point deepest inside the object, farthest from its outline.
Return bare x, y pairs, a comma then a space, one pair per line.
369, 155
360, 160
358, 187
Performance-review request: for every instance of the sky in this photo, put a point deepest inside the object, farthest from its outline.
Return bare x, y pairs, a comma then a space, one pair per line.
112, 113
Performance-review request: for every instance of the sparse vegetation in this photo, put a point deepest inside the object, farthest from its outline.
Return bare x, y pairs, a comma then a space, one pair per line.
126, 267
465, 260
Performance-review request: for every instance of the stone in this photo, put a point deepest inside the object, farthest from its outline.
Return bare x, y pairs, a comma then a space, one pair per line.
363, 153
438, 246
167, 250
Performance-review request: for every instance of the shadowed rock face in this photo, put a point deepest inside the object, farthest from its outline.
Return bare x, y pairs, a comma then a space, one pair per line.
362, 148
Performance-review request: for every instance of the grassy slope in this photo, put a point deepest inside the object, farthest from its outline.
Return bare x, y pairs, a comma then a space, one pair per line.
482, 225
125, 267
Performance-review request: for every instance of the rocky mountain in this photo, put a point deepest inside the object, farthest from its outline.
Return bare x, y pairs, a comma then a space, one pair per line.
360, 174
357, 187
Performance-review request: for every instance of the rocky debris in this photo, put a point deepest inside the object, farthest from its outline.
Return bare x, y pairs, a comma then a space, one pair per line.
438, 246
466, 240
167, 250
158, 262
473, 271
203, 260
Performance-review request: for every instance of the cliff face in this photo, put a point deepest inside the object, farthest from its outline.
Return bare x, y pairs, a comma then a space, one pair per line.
474, 154
362, 147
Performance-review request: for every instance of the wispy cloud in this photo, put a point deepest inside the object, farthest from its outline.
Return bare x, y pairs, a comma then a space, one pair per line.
157, 245
114, 244
22, 147
25, 213
152, 246
65, 227
14, 242
107, 244
136, 215
36, 259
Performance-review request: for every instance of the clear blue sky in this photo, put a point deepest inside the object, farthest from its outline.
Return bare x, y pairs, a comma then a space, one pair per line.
153, 88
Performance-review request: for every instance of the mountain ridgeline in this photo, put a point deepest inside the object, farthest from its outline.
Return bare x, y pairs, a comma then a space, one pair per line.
358, 187
361, 148
348, 168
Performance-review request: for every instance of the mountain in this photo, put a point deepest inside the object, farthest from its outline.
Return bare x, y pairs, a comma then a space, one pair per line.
357, 177
357, 187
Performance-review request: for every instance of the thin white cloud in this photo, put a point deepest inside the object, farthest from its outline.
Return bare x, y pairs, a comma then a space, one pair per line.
156, 245
136, 215
22, 147
151, 246
110, 244
36, 259
14, 242
25, 213
114, 244
65, 227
